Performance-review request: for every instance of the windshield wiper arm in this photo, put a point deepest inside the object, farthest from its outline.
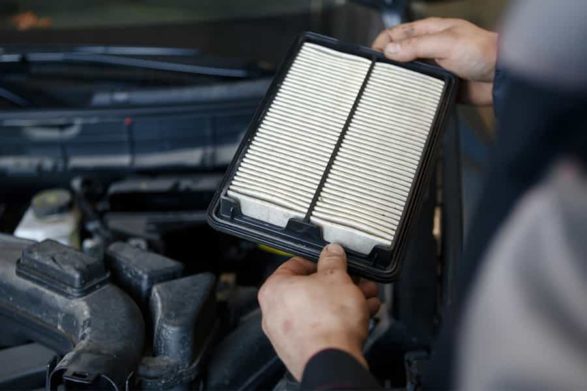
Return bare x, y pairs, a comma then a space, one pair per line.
117, 60
14, 98
137, 51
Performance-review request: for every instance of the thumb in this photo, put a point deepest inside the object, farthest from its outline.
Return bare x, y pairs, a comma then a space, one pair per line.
332, 257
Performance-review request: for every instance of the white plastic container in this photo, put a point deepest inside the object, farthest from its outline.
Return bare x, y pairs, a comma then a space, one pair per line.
51, 215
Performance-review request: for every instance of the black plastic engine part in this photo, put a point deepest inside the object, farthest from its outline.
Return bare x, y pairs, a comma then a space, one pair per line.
151, 226
24, 367
163, 193
184, 316
137, 271
245, 359
61, 269
185, 309
100, 334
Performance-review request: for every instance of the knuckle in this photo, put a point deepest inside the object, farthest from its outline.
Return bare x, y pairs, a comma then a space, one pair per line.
454, 31
409, 30
335, 273
403, 44
331, 258
407, 44
457, 39
406, 27
331, 272
386, 33
390, 33
433, 19
263, 293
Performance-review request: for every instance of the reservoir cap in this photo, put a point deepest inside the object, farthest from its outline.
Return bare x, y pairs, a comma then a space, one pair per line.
51, 202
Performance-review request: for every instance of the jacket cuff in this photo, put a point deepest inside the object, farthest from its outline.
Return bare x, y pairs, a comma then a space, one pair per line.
334, 369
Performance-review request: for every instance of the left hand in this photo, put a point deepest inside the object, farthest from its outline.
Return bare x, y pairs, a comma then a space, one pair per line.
308, 308
468, 51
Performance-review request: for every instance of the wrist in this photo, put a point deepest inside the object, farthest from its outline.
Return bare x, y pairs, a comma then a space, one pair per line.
490, 55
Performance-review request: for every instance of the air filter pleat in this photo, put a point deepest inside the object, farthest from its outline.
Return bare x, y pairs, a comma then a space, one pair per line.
369, 211
285, 162
366, 191
368, 208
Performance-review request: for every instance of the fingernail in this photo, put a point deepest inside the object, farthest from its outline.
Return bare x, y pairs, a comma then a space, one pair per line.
391, 48
335, 249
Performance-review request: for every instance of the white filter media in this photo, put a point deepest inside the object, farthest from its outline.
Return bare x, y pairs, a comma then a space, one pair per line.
339, 148
366, 190
288, 155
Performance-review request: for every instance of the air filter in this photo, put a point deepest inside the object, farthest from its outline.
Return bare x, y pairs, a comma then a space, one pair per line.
338, 152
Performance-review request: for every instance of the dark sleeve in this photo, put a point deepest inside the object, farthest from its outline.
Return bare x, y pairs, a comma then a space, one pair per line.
499, 90
334, 369
537, 125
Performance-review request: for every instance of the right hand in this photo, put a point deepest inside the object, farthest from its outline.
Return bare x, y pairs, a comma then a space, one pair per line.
310, 307
456, 45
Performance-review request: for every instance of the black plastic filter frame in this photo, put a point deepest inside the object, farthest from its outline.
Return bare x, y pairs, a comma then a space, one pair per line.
300, 236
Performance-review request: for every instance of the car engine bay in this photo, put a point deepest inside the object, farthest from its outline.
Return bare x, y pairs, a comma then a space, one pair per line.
111, 277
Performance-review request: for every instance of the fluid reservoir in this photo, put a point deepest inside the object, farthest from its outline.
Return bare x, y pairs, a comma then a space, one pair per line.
51, 215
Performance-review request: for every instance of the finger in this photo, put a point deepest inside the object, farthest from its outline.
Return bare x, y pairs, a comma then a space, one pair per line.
381, 40
296, 266
373, 304
332, 257
413, 29
433, 46
420, 27
369, 288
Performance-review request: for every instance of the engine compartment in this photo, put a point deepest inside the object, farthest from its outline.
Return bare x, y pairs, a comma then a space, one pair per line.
145, 295
152, 297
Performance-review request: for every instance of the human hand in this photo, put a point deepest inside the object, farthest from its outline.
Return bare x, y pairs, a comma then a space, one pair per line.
455, 44
308, 308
